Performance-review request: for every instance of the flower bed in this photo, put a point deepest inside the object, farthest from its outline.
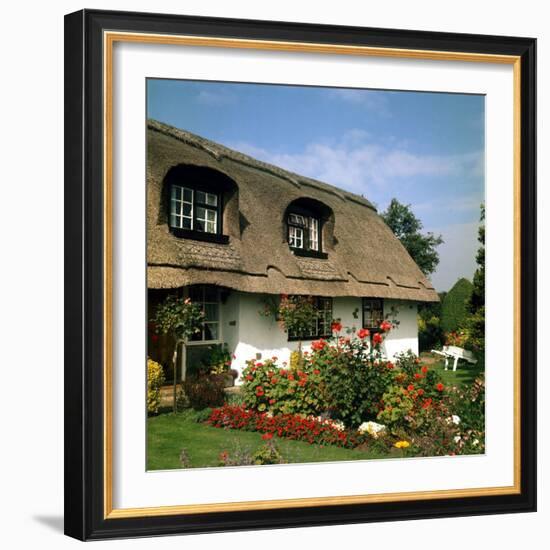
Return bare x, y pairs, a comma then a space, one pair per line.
289, 426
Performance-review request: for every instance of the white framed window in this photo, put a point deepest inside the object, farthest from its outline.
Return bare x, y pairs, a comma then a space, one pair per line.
296, 237
303, 232
314, 234
194, 209
208, 297
321, 325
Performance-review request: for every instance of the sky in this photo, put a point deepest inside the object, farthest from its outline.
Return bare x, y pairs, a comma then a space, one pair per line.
425, 149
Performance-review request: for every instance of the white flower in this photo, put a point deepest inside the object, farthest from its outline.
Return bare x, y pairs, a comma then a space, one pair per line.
372, 428
338, 425
456, 419
475, 442
456, 438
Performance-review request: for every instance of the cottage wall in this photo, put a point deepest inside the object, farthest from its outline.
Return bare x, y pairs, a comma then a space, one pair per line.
250, 335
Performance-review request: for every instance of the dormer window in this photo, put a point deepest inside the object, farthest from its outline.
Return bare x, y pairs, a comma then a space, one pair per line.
194, 199
194, 210
304, 233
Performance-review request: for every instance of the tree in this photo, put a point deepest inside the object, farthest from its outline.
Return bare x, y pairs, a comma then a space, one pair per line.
179, 318
454, 308
477, 300
407, 228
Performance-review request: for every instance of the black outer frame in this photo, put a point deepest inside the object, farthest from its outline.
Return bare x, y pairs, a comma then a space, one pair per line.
84, 274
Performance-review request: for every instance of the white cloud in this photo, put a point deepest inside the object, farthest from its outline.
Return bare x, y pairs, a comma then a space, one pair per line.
356, 163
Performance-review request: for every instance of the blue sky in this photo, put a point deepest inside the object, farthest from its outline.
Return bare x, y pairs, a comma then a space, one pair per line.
425, 149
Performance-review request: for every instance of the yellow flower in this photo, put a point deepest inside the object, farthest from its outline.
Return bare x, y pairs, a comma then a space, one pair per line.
402, 444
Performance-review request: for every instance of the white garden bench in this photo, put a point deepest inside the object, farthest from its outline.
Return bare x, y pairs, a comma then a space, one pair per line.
456, 353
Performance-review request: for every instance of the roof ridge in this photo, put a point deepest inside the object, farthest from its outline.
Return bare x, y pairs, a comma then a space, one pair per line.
218, 151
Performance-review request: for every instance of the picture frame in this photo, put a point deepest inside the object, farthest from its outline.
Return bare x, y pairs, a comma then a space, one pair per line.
90, 158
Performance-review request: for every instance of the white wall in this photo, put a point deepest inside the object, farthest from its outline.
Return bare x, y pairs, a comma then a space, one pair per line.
260, 337
38, 462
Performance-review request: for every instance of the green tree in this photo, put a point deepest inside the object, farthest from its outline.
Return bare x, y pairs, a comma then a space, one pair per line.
454, 308
179, 318
407, 228
477, 300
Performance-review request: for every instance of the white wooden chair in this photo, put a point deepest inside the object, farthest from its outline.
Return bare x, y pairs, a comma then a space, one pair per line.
455, 353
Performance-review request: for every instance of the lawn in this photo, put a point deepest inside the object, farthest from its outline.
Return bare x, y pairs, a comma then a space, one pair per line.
465, 373
168, 434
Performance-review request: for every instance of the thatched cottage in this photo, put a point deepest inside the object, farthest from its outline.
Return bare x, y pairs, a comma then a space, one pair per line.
229, 231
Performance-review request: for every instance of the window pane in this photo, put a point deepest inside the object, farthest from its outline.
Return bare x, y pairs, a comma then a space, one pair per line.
201, 197
174, 193
201, 213
210, 227
296, 237
187, 209
174, 220
186, 223
211, 312
211, 331
297, 219
211, 215
211, 199
187, 194
313, 234
199, 225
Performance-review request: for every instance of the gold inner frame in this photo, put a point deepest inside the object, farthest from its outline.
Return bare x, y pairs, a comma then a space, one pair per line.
109, 39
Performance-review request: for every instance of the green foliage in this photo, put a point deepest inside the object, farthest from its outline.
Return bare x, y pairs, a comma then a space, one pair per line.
477, 299
266, 387
430, 333
268, 454
218, 360
205, 391
296, 314
454, 308
407, 228
178, 316
155, 379
241, 455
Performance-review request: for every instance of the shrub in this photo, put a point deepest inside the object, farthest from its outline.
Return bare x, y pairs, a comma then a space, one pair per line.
430, 334
205, 391
454, 308
354, 375
155, 379
268, 454
267, 387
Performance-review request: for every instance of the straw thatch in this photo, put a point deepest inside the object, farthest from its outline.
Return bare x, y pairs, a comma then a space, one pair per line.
364, 257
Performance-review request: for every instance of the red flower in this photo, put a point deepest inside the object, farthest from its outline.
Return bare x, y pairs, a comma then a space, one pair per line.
259, 365
291, 377
267, 436
274, 380
272, 401
389, 365
363, 333
440, 387
249, 377
424, 369
417, 376
420, 391
336, 326
316, 371
427, 402
410, 387
377, 338
385, 326
259, 391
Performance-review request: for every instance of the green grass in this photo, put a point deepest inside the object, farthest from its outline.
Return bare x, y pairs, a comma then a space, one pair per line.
464, 375
168, 434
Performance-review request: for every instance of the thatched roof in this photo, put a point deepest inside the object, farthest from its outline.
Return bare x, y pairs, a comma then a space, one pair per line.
364, 257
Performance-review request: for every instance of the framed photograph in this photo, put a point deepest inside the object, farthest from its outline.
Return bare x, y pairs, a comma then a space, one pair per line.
300, 274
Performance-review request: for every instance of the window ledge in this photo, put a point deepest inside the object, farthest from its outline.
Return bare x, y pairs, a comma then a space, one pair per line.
309, 253
306, 338
199, 235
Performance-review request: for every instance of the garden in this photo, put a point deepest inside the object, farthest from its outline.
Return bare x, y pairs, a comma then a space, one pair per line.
342, 400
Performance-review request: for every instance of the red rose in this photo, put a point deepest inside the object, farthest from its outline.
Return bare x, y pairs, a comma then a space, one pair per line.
410, 387
318, 345
420, 391
259, 365
440, 387
377, 338
363, 333
274, 380
427, 403
385, 326
291, 377
389, 365
424, 369
417, 376
249, 377
267, 436
336, 326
